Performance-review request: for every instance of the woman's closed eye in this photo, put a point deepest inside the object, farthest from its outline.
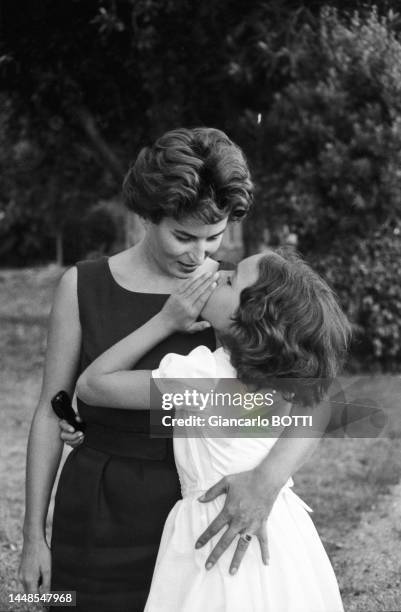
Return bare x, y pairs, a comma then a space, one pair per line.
189, 238
183, 238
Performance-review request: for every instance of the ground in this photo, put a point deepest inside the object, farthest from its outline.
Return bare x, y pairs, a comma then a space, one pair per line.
351, 483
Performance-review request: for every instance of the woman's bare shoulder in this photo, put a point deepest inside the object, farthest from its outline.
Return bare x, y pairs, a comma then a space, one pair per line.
67, 286
68, 279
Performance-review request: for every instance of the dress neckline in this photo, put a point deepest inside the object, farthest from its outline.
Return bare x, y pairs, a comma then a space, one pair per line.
110, 274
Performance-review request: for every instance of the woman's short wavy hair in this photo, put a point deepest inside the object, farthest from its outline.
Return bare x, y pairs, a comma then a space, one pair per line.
289, 329
197, 172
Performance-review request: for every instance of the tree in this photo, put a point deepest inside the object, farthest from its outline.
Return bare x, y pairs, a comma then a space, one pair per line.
53, 60
332, 150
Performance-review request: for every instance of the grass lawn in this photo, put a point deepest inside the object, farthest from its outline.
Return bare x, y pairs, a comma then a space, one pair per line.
351, 483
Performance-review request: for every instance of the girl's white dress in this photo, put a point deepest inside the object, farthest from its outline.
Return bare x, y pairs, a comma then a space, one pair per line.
299, 577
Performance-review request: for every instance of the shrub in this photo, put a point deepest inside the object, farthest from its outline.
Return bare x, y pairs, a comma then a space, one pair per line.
367, 276
332, 171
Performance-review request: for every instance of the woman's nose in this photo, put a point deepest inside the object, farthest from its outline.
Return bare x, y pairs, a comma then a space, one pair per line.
198, 254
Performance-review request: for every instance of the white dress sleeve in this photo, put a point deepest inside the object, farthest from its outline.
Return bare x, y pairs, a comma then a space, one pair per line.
176, 373
199, 363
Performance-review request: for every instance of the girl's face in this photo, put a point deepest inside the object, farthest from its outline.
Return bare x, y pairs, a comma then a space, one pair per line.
225, 299
179, 248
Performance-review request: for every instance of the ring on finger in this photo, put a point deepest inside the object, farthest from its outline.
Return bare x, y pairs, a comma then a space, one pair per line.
246, 537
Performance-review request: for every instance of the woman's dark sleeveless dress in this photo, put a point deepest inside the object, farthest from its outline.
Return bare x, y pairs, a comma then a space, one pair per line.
115, 490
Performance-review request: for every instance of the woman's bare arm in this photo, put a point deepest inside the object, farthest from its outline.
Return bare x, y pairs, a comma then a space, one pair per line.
44, 445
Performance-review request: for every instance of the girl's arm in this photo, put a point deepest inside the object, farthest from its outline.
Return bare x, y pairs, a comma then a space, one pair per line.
44, 445
109, 381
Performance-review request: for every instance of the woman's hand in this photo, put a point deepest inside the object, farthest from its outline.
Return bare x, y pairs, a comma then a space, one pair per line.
35, 567
184, 306
249, 500
69, 435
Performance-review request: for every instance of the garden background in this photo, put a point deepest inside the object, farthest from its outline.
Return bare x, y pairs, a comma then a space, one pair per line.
312, 92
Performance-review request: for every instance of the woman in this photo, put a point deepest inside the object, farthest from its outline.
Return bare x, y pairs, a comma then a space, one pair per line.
116, 489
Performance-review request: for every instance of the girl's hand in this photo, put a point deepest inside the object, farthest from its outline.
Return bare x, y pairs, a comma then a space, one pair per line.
69, 435
35, 567
183, 307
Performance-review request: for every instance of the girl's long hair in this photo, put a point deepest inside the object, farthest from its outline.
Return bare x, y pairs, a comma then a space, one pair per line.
289, 331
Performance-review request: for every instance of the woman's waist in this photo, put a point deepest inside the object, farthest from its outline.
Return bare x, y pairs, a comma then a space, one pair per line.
132, 442
115, 418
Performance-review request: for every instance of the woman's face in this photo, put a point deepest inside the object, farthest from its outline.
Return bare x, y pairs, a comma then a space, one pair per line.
225, 299
179, 248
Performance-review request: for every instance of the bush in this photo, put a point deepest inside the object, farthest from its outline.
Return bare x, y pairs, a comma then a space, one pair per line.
95, 234
367, 277
332, 172
334, 133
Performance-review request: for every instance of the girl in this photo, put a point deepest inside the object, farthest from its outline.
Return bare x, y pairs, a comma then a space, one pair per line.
276, 318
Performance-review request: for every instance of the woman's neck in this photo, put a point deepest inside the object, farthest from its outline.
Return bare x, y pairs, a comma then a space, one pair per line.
135, 271
142, 256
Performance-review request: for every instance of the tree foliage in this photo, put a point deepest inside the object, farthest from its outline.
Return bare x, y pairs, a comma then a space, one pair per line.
331, 145
367, 277
332, 137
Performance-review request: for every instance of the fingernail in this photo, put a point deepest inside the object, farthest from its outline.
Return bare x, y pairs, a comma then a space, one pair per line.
233, 571
198, 545
201, 498
209, 565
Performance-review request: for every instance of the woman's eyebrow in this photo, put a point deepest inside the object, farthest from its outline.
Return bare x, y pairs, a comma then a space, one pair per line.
182, 233
188, 235
218, 234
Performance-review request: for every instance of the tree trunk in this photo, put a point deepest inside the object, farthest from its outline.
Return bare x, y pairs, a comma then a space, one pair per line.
107, 155
59, 247
132, 229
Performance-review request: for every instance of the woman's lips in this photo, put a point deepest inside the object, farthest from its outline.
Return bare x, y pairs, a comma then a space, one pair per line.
189, 267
